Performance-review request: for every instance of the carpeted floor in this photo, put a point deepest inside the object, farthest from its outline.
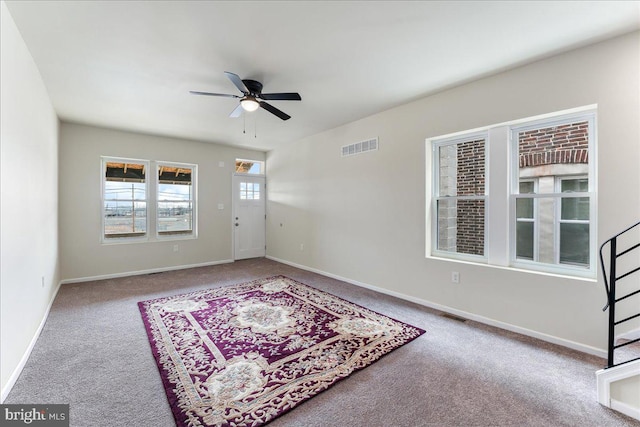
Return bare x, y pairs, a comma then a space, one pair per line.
93, 353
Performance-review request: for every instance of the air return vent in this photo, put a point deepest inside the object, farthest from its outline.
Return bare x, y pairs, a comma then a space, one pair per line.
360, 147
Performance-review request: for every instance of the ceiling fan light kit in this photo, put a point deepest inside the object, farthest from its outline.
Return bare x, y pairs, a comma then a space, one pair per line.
252, 97
249, 103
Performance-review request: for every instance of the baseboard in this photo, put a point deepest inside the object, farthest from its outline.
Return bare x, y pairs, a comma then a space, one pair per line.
141, 272
471, 316
23, 361
626, 409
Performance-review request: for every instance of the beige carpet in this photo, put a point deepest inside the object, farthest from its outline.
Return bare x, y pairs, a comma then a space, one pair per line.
94, 354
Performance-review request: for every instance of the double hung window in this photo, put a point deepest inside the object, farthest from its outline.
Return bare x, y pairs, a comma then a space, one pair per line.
175, 200
124, 198
461, 196
539, 214
552, 193
134, 201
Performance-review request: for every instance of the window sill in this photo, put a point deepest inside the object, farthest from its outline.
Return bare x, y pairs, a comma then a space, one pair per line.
146, 239
175, 236
589, 277
124, 240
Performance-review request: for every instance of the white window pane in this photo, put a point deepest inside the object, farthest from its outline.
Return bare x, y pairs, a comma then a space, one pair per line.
461, 226
524, 208
524, 240
252, 167
461, 169
123, 219
574, 244
174, 192
124, 190
549, 149
576, 208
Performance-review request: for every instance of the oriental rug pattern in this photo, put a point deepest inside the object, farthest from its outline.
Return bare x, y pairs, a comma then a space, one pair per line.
244, 354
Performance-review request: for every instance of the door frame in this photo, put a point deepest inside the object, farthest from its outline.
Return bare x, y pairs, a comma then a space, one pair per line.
234, 177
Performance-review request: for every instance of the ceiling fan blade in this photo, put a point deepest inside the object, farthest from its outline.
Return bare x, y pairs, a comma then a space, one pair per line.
236, 111
236, 80
291, 96
195, 92
273, 110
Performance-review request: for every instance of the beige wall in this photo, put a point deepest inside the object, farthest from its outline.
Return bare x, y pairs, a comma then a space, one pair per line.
363, 217
82, 253
29, 201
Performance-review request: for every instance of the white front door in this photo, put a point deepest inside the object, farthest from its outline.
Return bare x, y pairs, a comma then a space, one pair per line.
249, 216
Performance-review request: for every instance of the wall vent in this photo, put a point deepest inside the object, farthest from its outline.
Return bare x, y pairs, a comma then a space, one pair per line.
360, 147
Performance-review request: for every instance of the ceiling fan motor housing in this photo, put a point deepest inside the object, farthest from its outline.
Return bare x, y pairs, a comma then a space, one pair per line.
254, 87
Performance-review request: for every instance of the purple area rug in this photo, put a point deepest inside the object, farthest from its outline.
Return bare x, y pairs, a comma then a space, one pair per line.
242, 355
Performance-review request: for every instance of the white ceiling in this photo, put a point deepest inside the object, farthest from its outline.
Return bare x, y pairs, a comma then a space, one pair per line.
130, 65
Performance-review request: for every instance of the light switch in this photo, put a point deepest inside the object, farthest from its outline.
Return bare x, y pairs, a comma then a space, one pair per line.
221, 206
221, 164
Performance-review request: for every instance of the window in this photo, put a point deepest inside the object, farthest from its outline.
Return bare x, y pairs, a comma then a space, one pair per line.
460, 195
249, 191
252, 167
574, 222
132, 204
519, 194
554, 154
175, 199
124, 198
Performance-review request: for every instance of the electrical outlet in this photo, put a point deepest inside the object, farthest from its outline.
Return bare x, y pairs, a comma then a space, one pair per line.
176, 248
455, 277
302, 246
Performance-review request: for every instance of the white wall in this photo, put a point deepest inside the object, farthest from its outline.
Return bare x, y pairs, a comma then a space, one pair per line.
627, 391
363, 217
82, 253
29, 201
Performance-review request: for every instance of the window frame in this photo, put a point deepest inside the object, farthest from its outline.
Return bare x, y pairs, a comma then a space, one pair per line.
123, 238
176, 235
588, 115
253, 191
558, 213
436, 197
502, 165
262, 164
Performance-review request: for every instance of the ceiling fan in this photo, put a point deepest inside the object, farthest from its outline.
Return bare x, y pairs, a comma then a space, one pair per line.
252, 97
